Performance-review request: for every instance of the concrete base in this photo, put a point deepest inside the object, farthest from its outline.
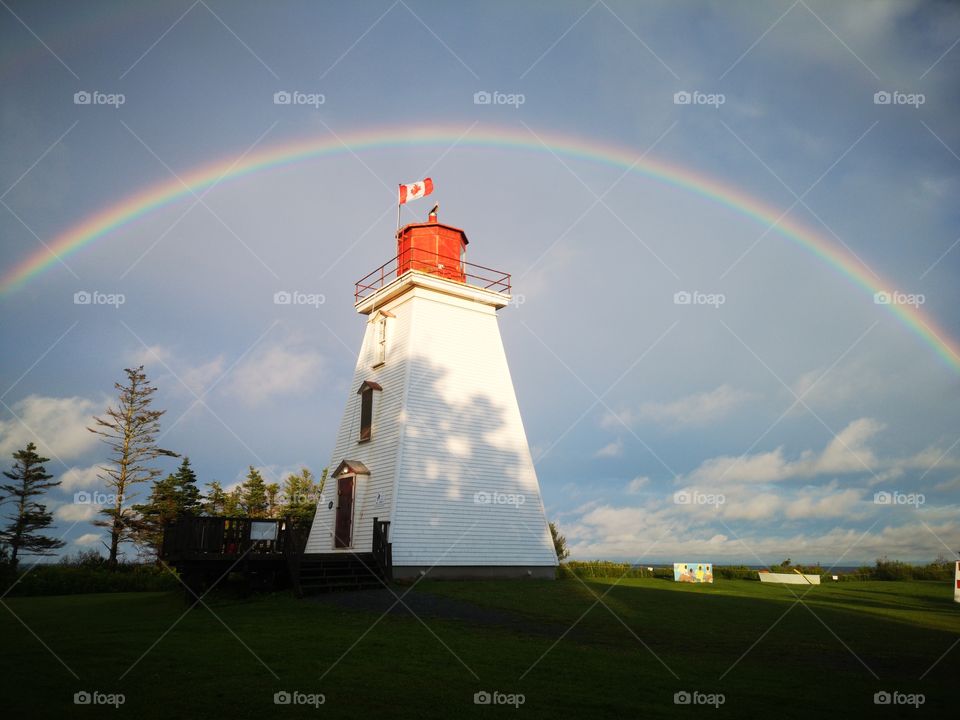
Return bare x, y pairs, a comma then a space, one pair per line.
476, 572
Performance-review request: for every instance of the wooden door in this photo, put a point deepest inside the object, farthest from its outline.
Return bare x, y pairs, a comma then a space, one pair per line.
343, 533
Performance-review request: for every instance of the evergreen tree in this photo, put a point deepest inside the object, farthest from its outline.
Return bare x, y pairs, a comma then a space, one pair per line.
175, 495
559, 543
189, 500
253, 495
130, 432
148, 520
273, 496
301, 494
30, 479
233, 504
216, 501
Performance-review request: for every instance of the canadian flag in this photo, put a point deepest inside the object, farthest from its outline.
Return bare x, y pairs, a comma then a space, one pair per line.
415, 191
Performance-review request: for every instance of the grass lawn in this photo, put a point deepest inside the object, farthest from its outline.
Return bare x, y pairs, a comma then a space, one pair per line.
767, 653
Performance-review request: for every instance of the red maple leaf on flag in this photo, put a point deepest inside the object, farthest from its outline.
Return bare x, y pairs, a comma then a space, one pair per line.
414, 189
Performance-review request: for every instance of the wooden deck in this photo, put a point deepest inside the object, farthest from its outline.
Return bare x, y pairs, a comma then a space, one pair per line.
269, 555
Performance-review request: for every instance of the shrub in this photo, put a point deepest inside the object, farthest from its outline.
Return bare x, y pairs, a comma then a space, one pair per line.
88, 572
600, 569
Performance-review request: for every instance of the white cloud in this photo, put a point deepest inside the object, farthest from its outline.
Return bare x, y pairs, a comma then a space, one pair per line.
848, 452
820, 504
691, 410
72, 512
151, 356
762, 467
953, 484
57, 425
80, 478
657, 531
753, 506
200, 377
270, 473
87, 539
274, 372
613, 449
639, 482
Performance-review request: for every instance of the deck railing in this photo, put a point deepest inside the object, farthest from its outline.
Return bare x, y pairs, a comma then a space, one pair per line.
420, 260
382, 547
205, 536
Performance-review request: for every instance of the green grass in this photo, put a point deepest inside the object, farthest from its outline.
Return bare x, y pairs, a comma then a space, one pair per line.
754, 643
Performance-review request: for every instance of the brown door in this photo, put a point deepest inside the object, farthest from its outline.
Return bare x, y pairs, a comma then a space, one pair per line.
343, 534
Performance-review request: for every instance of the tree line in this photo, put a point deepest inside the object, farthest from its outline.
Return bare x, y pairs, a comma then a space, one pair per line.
130, 431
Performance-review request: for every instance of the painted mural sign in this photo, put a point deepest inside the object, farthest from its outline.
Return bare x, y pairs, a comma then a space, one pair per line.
693, 572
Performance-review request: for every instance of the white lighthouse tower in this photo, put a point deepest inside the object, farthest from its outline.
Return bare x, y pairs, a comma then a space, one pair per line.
431, 440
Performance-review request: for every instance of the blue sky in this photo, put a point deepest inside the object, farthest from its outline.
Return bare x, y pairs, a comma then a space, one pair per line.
632, 403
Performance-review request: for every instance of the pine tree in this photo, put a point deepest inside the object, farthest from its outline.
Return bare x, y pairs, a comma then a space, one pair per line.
30, 479
253, 501
559, 543
149, 519
215, 502
233, 503
273, 496
130, 432
189, 500
175, 495
300, 495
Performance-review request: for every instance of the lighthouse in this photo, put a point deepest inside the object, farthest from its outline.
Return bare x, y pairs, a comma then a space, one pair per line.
431, 450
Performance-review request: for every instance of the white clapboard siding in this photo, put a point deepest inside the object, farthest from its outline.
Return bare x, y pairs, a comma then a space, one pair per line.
464, 436
448, 453
379, 454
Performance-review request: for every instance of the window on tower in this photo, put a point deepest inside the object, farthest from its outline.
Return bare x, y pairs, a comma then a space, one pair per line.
381, 341
366, 414
380, 337
366, 409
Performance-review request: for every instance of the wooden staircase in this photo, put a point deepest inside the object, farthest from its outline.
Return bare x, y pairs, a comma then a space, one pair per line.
314, 573
331, 572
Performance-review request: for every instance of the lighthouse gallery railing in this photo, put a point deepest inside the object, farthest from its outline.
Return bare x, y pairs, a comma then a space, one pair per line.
420, 260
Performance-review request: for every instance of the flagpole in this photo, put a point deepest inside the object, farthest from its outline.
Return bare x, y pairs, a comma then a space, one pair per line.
398, 208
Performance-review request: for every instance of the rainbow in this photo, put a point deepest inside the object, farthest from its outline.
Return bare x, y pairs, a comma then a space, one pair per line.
134, 206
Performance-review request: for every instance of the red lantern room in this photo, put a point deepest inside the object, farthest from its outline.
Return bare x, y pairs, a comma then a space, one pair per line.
432, 247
